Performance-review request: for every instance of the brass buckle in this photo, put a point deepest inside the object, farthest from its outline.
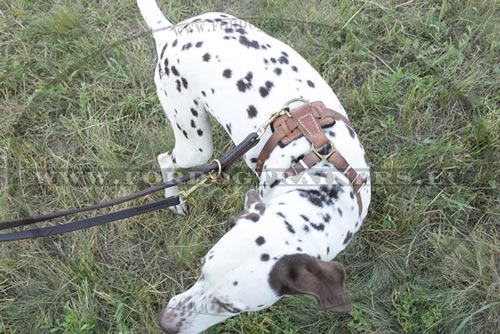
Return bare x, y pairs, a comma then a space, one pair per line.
324, 157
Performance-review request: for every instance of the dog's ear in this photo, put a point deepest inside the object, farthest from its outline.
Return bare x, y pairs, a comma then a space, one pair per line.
252, 197
300, 273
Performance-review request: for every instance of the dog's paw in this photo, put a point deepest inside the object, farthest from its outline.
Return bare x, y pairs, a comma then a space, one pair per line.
180, 209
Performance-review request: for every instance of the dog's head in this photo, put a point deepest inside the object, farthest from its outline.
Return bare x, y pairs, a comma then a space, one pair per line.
240, 274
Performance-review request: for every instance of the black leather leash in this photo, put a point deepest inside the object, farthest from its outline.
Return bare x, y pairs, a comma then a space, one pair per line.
220, 165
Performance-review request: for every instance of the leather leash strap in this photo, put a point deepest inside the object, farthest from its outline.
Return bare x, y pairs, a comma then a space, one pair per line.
308, 121
228, 159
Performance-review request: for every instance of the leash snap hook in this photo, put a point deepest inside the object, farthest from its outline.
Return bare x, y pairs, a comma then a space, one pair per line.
206, 182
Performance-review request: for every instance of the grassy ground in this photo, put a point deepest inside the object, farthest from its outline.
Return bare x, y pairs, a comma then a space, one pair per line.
420, 81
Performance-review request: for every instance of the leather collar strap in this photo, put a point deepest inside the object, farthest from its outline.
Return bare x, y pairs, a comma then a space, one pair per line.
308, 121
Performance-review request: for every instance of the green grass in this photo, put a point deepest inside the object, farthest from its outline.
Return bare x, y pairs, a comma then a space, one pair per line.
420, 81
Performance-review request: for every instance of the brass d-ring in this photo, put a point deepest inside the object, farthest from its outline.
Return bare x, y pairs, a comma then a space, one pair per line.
213, 177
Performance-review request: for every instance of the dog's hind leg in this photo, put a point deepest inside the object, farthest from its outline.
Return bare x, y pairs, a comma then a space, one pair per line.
193, 139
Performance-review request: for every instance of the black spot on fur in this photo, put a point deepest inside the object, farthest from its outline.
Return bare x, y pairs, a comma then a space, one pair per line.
241, 31
266, 61
203, 93
294, 68
199, 44
194, 112
252, 111
351, 131
281, 214
184, 82
264, 257
228, 127
321, 197
348, 237
264, 91
318, 227
327, 250
174, 43
227, 73
340, 212
199, 132
273, 60
229, 30
289, 227
326, 218
299, 249
306, 228
283, 60
193, 124
277, 70
187, 46
174, 71
260, 241
253, 160
206, 57
185, 134
245, 83
275, 183
305, 218
351, 194
163, 50
249, 44
178, 82
310, 84
297, 159
235, 283
284, 53
195, 102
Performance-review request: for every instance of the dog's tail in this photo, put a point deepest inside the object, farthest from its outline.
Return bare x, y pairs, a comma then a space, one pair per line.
154, 19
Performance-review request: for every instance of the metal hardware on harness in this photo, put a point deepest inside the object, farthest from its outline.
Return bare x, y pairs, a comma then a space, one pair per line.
324, 157
285, 110
206, 182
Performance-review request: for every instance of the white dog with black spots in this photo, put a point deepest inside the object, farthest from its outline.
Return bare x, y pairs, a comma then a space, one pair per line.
284, 243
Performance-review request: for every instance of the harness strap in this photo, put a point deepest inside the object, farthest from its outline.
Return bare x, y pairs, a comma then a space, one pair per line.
296, 124
308, 121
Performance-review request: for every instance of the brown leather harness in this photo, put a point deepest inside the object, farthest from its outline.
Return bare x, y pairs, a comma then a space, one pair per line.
308, 120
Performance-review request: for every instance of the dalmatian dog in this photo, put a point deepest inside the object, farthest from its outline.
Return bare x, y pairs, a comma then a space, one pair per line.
292, 228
